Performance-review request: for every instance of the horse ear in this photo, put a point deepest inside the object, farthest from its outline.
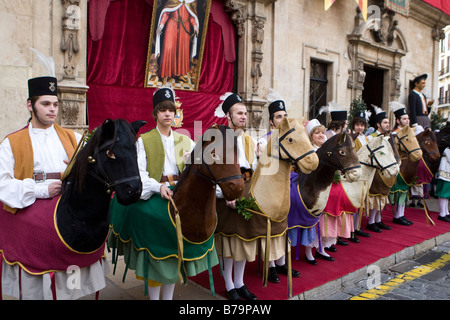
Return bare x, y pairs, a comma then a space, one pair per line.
341, 138
108, 129
284, 123
137, 125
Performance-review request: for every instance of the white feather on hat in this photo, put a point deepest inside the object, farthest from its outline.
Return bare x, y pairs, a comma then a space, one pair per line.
273, 95
377, 109
46, 62
368, 114
332, 106
395, 105
218, 112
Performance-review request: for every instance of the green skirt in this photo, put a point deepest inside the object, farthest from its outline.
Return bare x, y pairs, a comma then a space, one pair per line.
443, 189
399, 192
145, 234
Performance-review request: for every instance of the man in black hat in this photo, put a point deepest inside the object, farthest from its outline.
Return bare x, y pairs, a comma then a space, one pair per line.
402, 120
234, 259
32, 159
378, 201
419, 108
162, 153
382, 122
337, 124
277, 111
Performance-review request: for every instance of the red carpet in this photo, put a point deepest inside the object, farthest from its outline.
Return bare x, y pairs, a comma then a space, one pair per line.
347, 258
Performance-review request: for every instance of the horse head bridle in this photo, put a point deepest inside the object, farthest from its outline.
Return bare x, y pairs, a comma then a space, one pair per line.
426, 155
290, 158
213, 180
402, 144
373, 158
103, 178
341, 167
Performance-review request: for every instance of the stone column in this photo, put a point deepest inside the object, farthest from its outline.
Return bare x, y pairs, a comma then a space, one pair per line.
249, 17
72, 47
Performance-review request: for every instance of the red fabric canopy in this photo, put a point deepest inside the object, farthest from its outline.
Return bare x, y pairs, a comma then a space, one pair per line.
443, 5
117, 62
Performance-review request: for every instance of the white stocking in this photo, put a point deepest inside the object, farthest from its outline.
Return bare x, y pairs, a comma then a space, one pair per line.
228, 273
400, 210
239, 268
167, 291
443, 207
153, 292
372, 214
308, 253
356, 220
282, 261
378, 217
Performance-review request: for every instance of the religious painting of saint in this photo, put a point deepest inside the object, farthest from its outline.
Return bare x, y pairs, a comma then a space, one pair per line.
177, 38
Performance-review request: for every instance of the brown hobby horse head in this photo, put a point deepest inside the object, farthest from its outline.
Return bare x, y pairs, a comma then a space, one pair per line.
213, 162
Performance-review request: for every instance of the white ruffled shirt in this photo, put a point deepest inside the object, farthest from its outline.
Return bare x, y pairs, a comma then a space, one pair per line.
48, 155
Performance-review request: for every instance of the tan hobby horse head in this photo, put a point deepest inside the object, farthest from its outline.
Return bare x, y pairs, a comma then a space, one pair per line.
407, 144
290, 142
288, 145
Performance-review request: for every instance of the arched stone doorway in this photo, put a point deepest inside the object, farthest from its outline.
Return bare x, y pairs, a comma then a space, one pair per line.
376, 48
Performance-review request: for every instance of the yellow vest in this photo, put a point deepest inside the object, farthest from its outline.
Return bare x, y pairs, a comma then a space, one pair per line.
155, 153
22, 150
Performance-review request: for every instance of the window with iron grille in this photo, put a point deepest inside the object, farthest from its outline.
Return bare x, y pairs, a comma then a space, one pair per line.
317, 87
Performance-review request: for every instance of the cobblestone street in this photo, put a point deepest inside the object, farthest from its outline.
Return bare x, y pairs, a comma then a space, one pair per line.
424, 278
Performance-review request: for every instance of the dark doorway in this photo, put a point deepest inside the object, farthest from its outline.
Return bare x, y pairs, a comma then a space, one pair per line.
373, 90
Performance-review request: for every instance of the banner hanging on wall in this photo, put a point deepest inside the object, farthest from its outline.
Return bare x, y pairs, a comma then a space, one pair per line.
177, 39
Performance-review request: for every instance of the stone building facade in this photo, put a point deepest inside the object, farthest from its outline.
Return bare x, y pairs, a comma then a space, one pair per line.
293, 46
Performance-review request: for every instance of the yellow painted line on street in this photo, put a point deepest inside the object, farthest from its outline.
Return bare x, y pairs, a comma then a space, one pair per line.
403, 278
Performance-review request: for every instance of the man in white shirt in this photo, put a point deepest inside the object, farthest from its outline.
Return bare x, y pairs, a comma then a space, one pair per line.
32, 161
162, 155
236, 113
33, 158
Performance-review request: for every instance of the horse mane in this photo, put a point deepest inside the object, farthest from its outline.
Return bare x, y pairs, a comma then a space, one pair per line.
206, 137
77, 176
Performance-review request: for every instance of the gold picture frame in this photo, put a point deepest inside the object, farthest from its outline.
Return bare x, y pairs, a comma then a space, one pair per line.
176, 43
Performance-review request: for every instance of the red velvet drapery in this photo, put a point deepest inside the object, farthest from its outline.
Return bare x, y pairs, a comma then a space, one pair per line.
117, 62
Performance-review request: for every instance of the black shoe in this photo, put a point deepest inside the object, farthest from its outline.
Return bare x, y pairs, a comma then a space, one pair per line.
419, 204
332, 248
373, 227
284, 270
233, 295
412, 205
401, 221
354, 238
244, 293
321, 256
407, 221
446, 218
313, 261
362, 233
381, 225
341, 242
273, 275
